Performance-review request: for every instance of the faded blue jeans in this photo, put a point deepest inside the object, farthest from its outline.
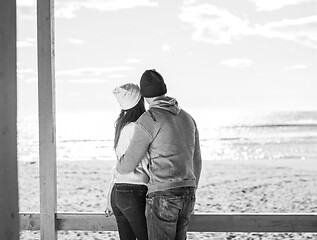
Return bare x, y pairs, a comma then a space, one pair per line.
128, 205
168, 213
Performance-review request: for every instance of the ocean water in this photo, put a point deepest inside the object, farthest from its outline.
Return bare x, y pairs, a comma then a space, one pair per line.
223, 136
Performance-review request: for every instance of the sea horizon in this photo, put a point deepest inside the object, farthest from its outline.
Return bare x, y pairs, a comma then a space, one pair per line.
223, 135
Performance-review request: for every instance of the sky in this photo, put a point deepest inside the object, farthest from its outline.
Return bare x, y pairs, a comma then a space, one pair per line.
246, 55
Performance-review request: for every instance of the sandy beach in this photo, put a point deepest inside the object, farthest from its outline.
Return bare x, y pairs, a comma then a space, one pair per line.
226, 186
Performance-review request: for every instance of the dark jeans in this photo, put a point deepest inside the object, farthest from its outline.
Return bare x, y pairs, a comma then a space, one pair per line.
168, 213
128, 204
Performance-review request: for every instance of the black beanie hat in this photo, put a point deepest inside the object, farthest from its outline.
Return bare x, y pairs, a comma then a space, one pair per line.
152, 84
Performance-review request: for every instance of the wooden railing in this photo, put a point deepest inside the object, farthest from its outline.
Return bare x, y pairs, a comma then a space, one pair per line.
224, 222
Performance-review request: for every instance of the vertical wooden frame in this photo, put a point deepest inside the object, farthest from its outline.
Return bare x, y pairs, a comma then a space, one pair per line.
9, 215
47, 129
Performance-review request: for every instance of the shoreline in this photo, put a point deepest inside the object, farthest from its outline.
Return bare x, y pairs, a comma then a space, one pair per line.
294, 163
300, 164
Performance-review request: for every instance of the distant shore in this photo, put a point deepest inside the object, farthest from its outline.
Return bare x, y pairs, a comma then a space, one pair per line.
225, 186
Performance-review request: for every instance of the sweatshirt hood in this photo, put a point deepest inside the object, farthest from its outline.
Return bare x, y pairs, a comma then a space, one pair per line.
166, 103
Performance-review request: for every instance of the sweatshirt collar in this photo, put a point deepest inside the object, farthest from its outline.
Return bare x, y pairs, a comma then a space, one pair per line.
166, 103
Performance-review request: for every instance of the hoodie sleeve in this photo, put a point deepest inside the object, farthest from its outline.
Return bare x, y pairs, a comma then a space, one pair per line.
197, 157
136, 151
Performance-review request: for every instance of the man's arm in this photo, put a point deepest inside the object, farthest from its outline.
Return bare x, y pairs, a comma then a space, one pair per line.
197, 158
136, 151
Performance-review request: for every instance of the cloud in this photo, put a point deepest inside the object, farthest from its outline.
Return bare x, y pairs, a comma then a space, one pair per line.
93, 71
93, 75
113, 5
75, 41
118, 75
26, 74
22, 44
166, 47
212, 24
218, 26
27, 42
237, 62
67, 9
270, 5
88, 80
81, 75
133, 60
74, 93
31, 80
26, 70
26, 9
26, 3
300, 30
296, 67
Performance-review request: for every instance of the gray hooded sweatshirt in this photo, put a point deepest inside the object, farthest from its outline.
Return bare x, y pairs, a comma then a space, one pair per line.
169, 136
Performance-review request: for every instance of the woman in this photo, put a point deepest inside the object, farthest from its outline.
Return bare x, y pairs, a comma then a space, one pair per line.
127, 192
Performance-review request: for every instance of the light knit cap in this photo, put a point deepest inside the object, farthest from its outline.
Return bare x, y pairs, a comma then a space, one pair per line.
127, 95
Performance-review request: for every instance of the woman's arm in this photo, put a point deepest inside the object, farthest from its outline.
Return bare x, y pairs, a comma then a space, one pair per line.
109, 210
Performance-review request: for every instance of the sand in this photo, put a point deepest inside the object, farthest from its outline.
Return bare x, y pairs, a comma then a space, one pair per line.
226, 186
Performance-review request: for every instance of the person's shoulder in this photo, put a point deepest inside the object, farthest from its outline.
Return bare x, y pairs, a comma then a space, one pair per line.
188, 115
145, 117
128, 128
148, 122
130, 125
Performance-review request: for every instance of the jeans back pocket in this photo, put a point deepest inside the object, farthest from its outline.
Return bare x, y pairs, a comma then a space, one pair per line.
168, 209
123, 198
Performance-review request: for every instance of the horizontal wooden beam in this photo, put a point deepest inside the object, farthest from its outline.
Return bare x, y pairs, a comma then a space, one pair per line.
260, 222
86, 221
225, 222
30, 221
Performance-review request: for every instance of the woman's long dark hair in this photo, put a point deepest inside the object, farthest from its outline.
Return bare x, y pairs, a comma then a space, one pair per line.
127, 116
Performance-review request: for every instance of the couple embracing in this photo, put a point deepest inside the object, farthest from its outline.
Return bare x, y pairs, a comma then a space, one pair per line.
152, 192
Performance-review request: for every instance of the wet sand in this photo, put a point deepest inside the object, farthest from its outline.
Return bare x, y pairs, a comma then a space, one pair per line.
226, 186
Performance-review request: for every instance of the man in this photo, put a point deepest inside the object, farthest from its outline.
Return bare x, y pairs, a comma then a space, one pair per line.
170, 136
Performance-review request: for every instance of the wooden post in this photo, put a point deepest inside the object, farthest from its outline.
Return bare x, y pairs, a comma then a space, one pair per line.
9, 214
47, 132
